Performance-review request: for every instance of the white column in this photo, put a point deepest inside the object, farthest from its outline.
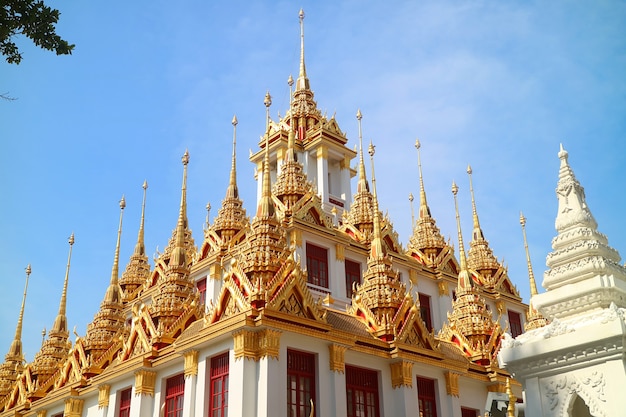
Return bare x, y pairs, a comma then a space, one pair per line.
201, 388
189, 399
141, 405
405, 401
242, 387
334, 395
272, 389
533, 397
322, 172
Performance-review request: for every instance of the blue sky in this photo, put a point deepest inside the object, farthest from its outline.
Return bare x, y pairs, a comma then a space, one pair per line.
494, 84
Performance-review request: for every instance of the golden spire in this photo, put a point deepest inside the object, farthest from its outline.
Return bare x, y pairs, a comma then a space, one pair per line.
462, 259
138, 269
266, 205
14, 359
362, 185
377, 249
480, 255
303, 81
510, 410
361, 214
109, 319
231, 217
426, 243
178, 254
412, 212
534, 319
54, 350
60, 324
233, 191
382, 294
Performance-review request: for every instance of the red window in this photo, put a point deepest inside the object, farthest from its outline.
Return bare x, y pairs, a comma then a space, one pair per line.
201, 286
469, 412
426, 397
361, 392
515, 322
124, 407
353, 275
219, 386
425, 311
317, 265
174, 392
300, 383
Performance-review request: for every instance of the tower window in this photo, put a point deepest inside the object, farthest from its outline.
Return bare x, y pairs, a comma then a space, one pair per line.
317, 265
353, 275
425, 311
362, 392
201, 286
515, 323
124, 405
219, 386
174, 393
300, 383
426, 397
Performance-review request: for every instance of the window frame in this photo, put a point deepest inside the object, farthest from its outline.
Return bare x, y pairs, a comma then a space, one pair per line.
201, 287
175, 391
362, 384
317, 265
426, 310
426, 393
218, 374
301, 370
469, 412
123, 404
515, 326
353, 274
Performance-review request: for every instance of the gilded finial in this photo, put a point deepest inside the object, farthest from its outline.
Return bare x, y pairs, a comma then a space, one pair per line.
303, 81
232, 191
43, 335
362, 185
463, 261
185, 157
208, 212
60, 323
477, 233
424, 209
116, 258
15, 351
412, 213
267, 102
139, 246
510, 411
377, 249
531, 275
266, 206
178, 255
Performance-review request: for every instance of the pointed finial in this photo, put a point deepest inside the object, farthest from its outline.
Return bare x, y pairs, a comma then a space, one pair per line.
362, 185
139, 246
531, 275
16, 346
424, 209
377, 248
116, 258
208, 212
178, 255
60, 323
303, 81
462, 260
412, 213
233, 191
266, 205
43, 335
267, 102
477, 232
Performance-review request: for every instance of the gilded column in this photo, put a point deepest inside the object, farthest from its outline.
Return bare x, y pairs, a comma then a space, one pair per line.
403, 393
104, 391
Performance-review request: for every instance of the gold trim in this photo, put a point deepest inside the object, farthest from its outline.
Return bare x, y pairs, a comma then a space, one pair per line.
191, 363
215, 271
443, 287
296, 237
452, 383
401, 374
103, 395
337, 359
73, 407
413, 277
256, 345
340, 254
144, 382
42, 413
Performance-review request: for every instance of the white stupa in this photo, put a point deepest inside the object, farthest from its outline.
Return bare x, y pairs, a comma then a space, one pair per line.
575, 365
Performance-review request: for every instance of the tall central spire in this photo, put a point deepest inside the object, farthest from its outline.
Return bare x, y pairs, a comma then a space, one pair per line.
303, 81
534, 319
266, 205
60, 324
138, 269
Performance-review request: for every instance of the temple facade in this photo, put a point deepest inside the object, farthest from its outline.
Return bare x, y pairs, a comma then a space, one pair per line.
308, 306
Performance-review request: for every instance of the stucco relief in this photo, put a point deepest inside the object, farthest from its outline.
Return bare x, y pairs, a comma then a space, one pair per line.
560, 392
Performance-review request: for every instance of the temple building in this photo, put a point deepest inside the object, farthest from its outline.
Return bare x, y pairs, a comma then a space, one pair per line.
309, 305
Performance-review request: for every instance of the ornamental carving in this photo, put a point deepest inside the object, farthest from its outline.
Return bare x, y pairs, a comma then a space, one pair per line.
144, 382
559, 393
401, 374
191, 363
103, 395
73, 407
337, 361
257, 344
452, 383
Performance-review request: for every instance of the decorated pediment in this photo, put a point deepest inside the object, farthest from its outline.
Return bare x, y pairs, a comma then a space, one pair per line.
233, 297
142, 331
